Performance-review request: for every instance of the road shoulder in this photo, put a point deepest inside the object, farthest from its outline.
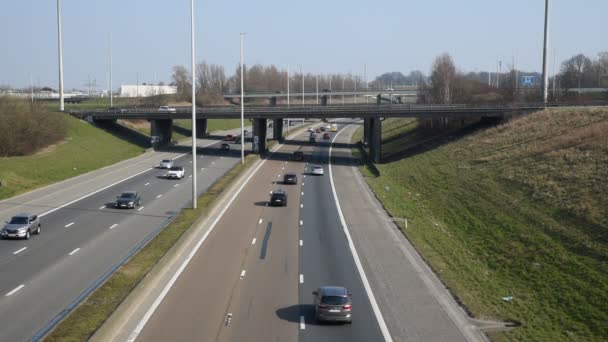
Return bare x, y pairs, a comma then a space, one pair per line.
415, 304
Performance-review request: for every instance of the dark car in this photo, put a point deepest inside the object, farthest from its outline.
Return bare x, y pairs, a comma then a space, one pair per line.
225, 147
326, 136
297, 156
278, 198
318, 130
128, 199
229, 137
333, 304
21, 226
290, 178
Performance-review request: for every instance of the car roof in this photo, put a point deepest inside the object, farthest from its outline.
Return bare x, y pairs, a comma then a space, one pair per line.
278, 191
334, 291
317, 167
290, 174
129, 192
166, 160
23, 215
176, 168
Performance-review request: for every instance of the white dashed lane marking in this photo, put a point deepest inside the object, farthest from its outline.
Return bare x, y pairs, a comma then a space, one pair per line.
19, 251
114, 226
74, 251
15, 290
69, 224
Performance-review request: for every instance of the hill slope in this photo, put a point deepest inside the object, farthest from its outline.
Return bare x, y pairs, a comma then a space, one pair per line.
519, 210
85, 148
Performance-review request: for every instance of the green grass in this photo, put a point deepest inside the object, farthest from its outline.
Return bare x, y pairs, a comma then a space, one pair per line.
91, 313
79, 153
519, 209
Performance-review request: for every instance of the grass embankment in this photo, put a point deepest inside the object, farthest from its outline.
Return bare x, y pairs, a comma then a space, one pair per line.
84, 149
520, 209
91, 313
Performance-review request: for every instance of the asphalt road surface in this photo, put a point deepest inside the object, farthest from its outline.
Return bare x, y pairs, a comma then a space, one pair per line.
83, 237
254, 277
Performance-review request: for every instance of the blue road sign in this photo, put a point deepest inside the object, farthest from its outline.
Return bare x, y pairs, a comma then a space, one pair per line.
528, 80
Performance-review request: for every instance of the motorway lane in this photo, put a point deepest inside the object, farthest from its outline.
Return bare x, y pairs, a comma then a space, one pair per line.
52, 278
279, 273
211, 286
325, 259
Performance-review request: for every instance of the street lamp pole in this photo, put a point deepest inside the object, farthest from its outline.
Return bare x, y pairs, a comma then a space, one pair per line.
194, 192
302, 85
242, 105
110, 53
61, 103
545, 54
288, 94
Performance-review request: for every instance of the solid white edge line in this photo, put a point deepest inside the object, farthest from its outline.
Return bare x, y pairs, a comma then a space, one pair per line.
69, 225
182, 267
301, 278
302, 323
19, 251
74, 251
114, 226
14, 290
375, 307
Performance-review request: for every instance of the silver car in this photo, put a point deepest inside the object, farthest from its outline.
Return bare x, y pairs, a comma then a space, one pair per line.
333, 304
317, 170
21, 226
166, 164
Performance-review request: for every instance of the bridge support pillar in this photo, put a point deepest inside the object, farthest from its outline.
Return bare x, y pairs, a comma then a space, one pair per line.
273, 101
366, 131
259, 136
277, 130
323, 100
375, 140
162, 131
201, 128
400, 99
379, 99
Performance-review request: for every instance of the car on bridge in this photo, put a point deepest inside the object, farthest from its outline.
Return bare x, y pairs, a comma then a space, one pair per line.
278, 198
128, 199
229, 137
326, 136
166, 109
224, 147
333, 304
297, 156
21, 226
176, 172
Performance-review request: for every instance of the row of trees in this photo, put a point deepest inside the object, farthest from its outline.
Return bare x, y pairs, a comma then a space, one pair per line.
580, 71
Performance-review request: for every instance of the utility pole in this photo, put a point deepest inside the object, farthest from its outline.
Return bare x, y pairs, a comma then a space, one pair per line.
545, 53
355, 89
61, 102
242, 106
330, 89
288, 94
302, 85
110, 88
365, 80
194, 191
553, 91
317, 89
343, 90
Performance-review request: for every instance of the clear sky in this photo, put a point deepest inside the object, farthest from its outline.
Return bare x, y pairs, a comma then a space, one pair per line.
149, 37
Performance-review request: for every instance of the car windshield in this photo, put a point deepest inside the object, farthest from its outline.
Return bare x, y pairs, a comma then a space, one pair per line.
334, 300
18, 220
166, 161
127, 195
176, 168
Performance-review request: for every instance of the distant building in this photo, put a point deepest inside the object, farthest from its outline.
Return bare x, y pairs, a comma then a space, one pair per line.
146, 90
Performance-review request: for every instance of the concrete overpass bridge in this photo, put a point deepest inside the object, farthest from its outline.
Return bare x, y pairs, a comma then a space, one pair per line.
162, 122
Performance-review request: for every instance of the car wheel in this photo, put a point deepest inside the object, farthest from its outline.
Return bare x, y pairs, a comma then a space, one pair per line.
27, 235
38, 230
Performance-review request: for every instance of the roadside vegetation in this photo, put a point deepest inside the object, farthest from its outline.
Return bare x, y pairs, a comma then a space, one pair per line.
84, 148
82, 323
513, 218
26, 128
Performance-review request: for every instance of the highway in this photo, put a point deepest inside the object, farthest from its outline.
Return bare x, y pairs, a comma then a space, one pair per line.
260, 265
83, 237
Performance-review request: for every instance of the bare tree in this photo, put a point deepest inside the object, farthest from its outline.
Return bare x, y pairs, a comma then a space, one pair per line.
442, 78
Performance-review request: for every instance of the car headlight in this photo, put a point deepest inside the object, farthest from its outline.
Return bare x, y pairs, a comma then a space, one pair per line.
22, 229
131, 203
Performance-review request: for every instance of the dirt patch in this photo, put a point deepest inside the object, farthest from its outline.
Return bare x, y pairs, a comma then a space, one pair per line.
50, 148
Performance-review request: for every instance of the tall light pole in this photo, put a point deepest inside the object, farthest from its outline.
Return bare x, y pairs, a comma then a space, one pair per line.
302, 73
329, 88
288, 94
545, 53
318, 88
242, 105
110, 53
61, 104
194, 192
